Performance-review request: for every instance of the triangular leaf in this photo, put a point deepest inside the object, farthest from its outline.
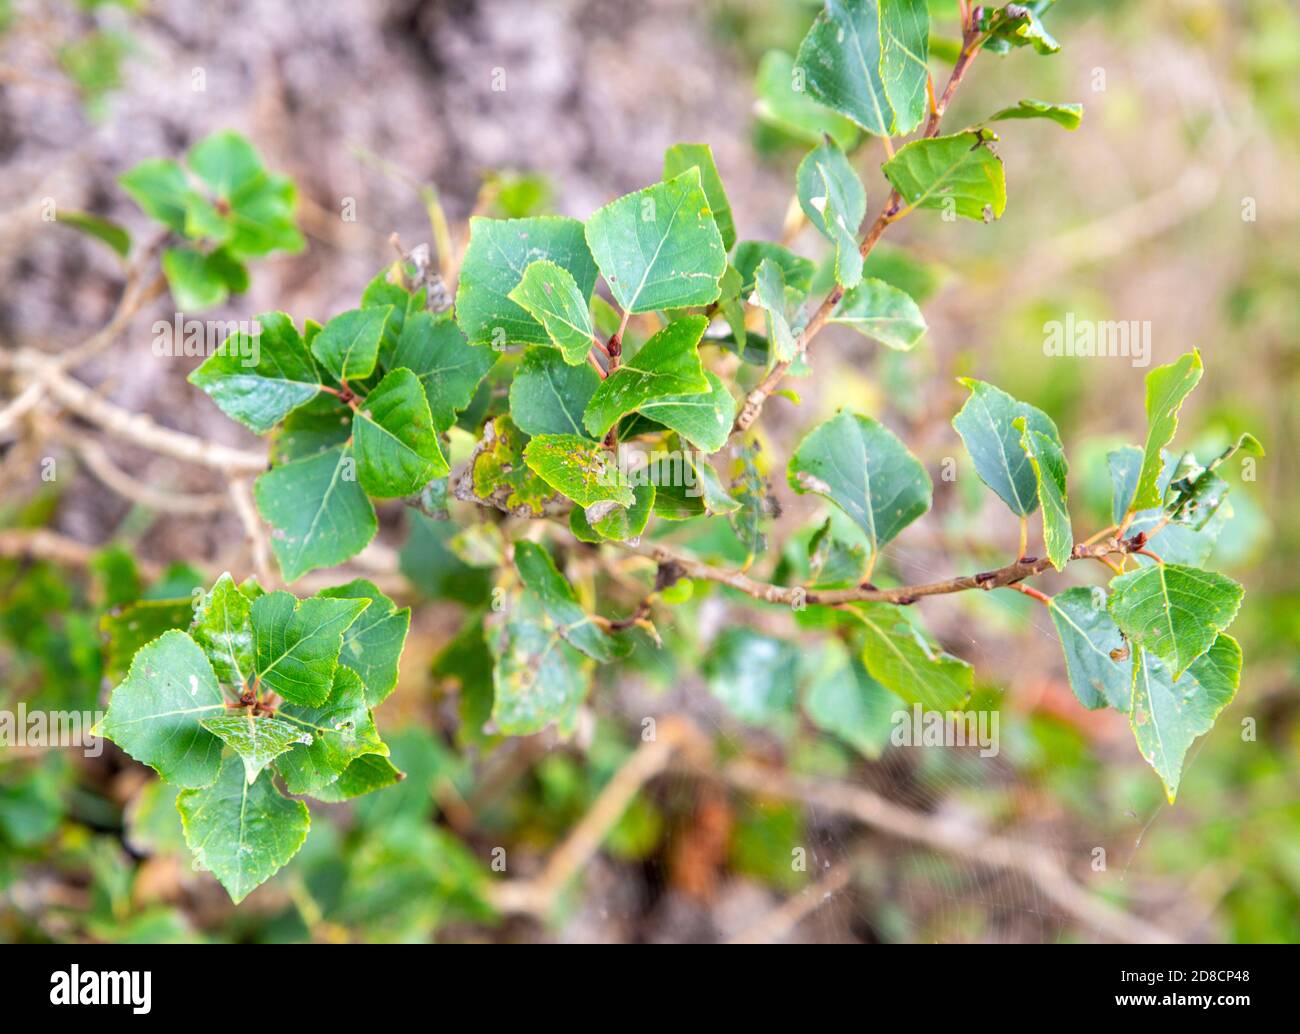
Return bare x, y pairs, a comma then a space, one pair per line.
396, 445
1174, 612
668, 364
222, 627
320, 513
986, 423
548, 396
1168, 715
154, 714
257, 739
341, 729
552, 297
957, 173
1098, 660
241, 833
499, 251
540, 574
297, 643
882, 312
348, 345
372, 645
260, 394
659, 248
860, 466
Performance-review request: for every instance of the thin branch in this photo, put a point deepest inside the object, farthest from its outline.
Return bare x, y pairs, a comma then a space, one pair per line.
942, 833
537, 896
753, 405
135, 427
794, 910
99, 463
241, 497
1001, 578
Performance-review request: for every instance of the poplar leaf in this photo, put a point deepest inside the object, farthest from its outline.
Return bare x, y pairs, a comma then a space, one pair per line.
1169, 714
659, 248
1174, 612
240, 832
860, 466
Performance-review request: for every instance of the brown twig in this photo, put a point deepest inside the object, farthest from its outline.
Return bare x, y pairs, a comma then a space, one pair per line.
943, 834
1001, 578
971, 42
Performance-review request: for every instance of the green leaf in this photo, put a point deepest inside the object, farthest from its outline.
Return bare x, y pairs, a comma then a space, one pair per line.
372, 644
681, 157
659, 248
1166, 387
537, 678
860, 466
499, 251
771, 296
687, 486
396, 445
796, 270
297, 642
348, 345
160, 188
548, 396
557, 597
954, 173
1068, 115
881, 312
1050, 469
1169, 715
1097, 658
154, 714
366, 774
702, 419
867, 59
620, 525
320, 514
751, 491
753, 674
1172, 611
1125, 465
986, 423
847, 702
903, 661
667, 365
200, 281
580, 469
832, 561
835, 202
260, 394
499, 474
552, 297
783, 102
100, 228
241, 833
257, 739
340, 728
128, 628
449, 368
226, 162
1018, 25
223, 628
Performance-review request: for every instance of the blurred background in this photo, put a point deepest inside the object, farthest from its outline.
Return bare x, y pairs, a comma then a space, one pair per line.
1176, 203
